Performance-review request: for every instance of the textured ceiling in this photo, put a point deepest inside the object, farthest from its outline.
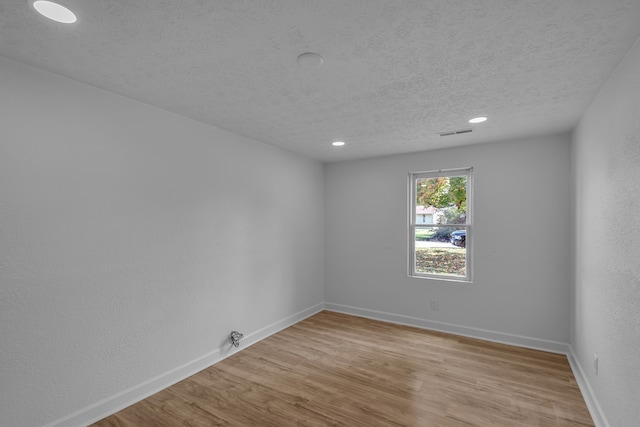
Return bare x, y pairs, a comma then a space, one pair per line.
396, 73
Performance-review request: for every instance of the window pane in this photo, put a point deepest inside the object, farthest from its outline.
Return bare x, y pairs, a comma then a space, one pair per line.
441, 200
441, 250
440, 223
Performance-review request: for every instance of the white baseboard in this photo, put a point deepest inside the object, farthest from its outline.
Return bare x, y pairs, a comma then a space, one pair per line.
595, 410
466, 331
117, 402
599, 419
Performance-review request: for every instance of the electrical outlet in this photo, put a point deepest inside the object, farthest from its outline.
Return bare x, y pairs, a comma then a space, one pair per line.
434, 305
595, 363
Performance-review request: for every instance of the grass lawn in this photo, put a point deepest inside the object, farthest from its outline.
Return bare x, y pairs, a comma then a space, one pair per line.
441, 261
425, 234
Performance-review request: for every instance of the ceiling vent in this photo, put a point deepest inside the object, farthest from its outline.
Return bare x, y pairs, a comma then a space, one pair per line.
456, 132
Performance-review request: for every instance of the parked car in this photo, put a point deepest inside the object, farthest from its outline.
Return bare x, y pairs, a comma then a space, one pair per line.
459, 238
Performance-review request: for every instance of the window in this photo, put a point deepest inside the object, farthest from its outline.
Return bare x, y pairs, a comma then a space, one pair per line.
440, 248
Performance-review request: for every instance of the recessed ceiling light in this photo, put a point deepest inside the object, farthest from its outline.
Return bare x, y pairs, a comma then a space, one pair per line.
478, 120
337, 143
55, 11
310, 60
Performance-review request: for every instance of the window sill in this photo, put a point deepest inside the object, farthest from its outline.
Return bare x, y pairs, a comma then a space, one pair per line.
443, 279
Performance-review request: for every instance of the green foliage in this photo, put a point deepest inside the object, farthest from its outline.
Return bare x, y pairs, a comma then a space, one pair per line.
442, 234
424, 234
453, 215
447, 194
435, 234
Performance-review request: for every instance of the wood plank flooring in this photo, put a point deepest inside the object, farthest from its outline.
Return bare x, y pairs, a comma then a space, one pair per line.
338, 370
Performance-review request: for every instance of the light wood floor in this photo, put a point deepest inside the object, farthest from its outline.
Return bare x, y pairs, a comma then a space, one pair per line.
334, 369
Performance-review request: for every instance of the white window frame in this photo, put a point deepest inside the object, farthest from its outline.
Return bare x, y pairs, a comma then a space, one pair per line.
413, 177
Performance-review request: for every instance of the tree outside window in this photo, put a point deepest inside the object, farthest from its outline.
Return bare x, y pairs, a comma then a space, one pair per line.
441, 249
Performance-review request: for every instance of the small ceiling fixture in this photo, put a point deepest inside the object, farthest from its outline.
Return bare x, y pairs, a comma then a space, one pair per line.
337, 143
478, 120
310, 60
54, 11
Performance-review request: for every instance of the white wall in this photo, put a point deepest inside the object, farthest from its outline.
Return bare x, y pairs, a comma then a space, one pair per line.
606, 315
125, 250
130, 243
522, 263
